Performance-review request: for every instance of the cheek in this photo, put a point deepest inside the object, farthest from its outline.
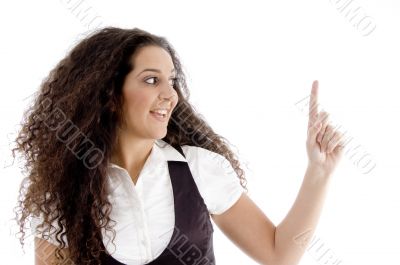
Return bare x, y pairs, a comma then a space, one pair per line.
137, 101
175, 99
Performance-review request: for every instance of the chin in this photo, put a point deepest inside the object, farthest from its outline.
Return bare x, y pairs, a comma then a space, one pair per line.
159, 134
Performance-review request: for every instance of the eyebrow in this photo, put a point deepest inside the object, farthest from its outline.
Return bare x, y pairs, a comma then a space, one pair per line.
154, 70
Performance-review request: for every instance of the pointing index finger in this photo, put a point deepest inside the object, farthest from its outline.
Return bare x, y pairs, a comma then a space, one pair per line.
313, 106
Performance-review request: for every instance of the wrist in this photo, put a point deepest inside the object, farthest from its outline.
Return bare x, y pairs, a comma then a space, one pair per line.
317, 173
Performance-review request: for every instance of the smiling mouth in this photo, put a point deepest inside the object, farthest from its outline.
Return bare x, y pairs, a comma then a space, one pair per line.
159, 116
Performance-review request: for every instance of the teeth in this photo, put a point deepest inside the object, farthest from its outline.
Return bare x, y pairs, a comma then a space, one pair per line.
161, 112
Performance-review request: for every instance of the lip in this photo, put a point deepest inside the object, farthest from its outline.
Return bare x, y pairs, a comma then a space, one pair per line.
159, 118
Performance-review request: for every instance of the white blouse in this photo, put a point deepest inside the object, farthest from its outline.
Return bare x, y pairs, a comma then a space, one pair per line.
144, 213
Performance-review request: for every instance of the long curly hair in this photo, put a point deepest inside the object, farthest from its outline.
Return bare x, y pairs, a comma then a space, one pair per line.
68, 131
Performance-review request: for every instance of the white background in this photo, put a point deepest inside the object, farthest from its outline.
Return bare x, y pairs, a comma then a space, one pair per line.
248, 64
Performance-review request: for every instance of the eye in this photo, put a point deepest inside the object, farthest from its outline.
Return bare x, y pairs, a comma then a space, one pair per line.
174, 80
153, 77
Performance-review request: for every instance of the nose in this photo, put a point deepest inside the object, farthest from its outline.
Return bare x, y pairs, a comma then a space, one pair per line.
168, 94
170, 99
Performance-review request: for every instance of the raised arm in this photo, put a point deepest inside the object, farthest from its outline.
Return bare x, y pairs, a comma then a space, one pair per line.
251, 230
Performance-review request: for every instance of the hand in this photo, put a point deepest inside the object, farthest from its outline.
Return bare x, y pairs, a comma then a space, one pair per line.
324, 144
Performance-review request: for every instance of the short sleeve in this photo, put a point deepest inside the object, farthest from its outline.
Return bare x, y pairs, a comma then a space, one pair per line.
216, 179
41, 231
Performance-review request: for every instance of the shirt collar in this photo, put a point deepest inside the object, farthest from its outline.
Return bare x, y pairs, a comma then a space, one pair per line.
160, 153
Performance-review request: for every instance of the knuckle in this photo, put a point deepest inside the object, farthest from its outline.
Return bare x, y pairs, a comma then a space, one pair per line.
324, 114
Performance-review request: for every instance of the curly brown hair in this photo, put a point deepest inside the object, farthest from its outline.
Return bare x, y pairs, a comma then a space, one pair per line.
67, 134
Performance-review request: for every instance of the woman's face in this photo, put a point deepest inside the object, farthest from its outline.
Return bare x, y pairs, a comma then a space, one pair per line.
147, 90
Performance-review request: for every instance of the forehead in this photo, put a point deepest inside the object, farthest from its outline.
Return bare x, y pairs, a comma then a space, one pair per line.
152, 57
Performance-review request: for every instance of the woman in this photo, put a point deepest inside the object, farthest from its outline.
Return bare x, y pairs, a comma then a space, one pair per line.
123, 170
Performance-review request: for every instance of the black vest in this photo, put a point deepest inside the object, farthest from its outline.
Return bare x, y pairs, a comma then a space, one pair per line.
192, 239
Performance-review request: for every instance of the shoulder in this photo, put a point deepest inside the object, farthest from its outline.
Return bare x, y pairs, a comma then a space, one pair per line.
216, 179
208, 165
196, 155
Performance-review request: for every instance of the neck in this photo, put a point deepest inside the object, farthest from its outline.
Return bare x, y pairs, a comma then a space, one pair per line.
131, 152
